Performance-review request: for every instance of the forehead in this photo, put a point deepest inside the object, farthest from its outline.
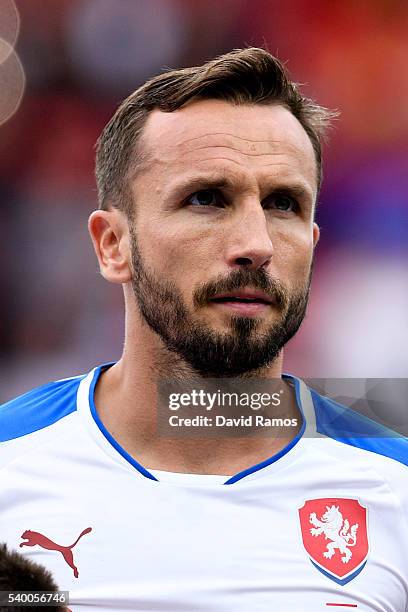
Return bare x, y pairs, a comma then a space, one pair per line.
208, 133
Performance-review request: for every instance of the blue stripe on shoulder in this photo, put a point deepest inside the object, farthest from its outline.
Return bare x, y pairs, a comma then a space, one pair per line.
345, 425
38, 408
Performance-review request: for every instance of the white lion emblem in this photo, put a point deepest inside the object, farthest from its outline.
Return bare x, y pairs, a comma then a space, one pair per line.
332, 526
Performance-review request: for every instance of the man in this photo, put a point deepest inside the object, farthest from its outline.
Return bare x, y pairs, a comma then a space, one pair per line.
208, 180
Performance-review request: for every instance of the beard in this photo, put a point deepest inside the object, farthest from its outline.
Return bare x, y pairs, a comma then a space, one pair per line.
238, 352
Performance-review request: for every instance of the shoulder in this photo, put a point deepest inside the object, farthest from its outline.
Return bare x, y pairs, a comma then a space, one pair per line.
380, 444
38, 409
364, 449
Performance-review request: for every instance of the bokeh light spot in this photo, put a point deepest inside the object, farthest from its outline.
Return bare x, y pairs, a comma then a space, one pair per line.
12, 81
9, 25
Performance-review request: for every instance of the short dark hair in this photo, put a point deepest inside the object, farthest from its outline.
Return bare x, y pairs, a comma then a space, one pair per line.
243, 76
18, 573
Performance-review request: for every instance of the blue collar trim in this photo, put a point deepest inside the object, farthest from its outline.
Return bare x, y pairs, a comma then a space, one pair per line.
233, 479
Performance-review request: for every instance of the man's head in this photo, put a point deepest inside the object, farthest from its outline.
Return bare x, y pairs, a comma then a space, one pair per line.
18, 573
208, 179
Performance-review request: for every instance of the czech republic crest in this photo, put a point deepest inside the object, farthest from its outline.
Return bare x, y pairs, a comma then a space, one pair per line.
334, 533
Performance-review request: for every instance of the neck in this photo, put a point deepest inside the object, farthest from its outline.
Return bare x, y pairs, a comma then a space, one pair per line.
126, 399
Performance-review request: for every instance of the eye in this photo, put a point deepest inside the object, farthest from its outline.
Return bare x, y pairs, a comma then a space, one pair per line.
282, 202
206, 197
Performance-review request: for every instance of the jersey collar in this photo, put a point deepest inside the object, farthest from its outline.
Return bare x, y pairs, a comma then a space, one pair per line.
86, 405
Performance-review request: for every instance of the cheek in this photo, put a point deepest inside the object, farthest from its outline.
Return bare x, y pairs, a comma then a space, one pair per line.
294, 254
181, 256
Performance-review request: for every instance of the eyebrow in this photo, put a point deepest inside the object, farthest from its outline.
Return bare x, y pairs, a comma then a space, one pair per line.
196, 182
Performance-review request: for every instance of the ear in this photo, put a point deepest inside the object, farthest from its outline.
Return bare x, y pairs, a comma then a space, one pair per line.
316, 234
110, 236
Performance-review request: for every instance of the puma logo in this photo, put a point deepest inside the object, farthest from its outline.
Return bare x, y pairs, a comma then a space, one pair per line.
38, 539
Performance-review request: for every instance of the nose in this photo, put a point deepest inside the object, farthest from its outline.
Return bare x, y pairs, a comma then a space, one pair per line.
250, 243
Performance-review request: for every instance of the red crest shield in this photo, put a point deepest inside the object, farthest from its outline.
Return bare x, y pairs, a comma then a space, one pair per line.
334, 534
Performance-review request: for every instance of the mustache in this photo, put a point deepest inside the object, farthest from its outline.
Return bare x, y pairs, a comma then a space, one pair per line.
239, 279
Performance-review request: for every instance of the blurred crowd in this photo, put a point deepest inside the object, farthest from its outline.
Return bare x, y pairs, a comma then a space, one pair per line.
82, 57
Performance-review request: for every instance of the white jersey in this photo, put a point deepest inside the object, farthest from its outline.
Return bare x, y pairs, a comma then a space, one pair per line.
321, 525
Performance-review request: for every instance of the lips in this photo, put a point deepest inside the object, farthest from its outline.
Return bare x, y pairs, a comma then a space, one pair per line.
244, 297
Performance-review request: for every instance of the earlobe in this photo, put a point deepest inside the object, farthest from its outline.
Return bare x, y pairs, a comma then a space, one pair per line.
110, 237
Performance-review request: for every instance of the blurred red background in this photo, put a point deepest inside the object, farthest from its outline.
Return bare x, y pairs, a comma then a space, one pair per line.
82, 57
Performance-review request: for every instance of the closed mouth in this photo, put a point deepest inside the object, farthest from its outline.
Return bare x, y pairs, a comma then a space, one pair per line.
243, 300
